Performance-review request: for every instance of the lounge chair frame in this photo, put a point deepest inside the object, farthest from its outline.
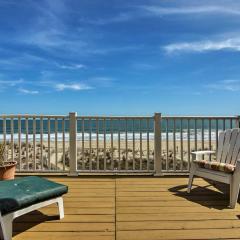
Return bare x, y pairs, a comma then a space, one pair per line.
7, 220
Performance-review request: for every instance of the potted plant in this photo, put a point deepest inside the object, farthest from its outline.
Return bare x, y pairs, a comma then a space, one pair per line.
7, 168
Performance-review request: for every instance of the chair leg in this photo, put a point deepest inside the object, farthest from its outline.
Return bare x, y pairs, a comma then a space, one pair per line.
6, 225
60, 207
234, 186
191, 176
234, 194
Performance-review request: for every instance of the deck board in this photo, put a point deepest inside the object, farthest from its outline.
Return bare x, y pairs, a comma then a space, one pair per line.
99, 208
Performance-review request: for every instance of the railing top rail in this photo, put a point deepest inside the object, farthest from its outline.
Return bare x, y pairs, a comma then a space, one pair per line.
31, 116
115, 117
199, 117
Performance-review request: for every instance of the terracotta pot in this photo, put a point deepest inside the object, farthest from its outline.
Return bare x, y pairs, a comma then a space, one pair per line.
7, 171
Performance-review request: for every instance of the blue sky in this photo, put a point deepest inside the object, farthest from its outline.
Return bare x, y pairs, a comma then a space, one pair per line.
120, 57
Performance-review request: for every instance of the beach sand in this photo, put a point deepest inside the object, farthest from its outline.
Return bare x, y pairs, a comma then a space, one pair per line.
141, 158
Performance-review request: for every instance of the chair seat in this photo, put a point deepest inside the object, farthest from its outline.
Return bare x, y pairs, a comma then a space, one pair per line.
24, 192
216, 166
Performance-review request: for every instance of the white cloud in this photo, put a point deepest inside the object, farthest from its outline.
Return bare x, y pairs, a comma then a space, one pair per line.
225, 85
72, 67
74, 86
27, 91
232, 44
200, 9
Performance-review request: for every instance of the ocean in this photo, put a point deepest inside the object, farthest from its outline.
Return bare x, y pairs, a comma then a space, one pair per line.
115, 128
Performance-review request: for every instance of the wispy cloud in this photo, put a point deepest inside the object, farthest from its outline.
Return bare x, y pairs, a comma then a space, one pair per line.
10, 83
27, 91
121, 17
72, 66
145, 11
200, 9
143, 66
232, 44
111, 50
225, 85
73, 86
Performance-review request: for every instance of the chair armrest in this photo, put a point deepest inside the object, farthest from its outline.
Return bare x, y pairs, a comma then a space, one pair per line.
206, 152
197, 155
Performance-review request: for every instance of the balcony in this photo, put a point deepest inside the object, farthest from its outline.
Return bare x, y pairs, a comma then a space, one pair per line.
153, 153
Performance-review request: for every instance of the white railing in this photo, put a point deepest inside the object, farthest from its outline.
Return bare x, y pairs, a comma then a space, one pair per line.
37, 143
182, 135
85, 144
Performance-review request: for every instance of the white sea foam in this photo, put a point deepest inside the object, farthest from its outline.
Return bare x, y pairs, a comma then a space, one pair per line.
122, 136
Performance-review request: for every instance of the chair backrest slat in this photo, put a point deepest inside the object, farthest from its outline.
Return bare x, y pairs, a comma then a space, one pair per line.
238, 158
220, 145
226, 145
236, 150
232, 145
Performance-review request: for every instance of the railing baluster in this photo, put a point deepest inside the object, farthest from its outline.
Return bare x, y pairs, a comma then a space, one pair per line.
126, 144
90, 144
63, 144
188, 139
12, 139
216, 134
119, 145
141, 160
104, 143
34, 144
19, 143
195, 133
203, 134
97, 141
148, 159
83, 147
112, 160
49, 143
56, 143
174, 144
210, 136
181, 142
167, 144
4, 130
26, 128
134, 165
41, 143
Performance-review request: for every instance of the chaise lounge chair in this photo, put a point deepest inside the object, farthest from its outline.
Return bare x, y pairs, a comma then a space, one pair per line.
23, 195
225, 169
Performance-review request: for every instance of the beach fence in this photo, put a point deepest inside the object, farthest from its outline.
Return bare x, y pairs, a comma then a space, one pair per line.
72, 144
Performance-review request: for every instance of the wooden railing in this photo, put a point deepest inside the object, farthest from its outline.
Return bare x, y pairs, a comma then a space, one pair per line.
85, 144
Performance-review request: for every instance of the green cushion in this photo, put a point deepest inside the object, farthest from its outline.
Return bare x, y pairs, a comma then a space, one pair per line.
26, 191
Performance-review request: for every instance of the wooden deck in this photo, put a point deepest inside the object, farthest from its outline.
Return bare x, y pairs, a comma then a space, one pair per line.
142, 208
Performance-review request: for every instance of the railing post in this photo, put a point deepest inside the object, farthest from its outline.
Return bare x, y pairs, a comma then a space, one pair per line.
157, 144
238, 121
73, 144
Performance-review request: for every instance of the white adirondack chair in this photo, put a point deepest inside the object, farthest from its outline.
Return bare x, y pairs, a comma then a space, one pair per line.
228, 155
